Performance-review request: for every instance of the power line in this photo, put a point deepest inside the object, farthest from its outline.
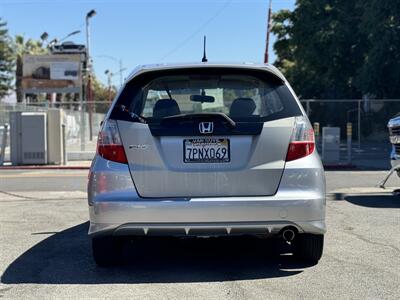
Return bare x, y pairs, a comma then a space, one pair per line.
198, 30
18, 2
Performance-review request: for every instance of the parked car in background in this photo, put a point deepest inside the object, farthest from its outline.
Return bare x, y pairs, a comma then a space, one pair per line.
206, 150
394, 136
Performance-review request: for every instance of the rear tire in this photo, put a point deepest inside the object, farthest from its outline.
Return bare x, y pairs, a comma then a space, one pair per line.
106, 251
308, 247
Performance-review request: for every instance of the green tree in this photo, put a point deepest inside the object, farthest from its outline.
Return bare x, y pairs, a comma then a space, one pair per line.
380, 74
340, 48
284, 46
22, 47
102, 93
319, 47
6, 60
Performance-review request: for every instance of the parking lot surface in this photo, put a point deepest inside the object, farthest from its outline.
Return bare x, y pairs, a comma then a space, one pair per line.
45, 251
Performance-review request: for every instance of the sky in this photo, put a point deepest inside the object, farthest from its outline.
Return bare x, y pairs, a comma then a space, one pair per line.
153, 31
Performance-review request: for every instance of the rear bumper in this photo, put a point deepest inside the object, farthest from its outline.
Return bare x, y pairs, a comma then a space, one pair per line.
211, 217
299, 202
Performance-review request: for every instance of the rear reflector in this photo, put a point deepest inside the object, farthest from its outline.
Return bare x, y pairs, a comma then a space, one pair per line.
302, 142
109, 144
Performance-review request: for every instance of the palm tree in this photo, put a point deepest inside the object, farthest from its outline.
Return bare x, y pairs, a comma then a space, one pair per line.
6, 60
22, 47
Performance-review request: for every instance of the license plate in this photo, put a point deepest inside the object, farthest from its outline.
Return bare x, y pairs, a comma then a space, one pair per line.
206, 150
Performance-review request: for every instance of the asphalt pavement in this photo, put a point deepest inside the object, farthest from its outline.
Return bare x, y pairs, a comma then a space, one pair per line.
45, 252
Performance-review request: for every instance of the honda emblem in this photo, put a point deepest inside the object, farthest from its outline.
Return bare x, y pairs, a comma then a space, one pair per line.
206, 127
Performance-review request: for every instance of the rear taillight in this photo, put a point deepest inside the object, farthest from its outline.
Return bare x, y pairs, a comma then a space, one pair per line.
302, 142
109, 144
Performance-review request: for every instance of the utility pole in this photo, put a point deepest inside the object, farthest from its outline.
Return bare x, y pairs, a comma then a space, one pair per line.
109, 83
120, 73
89, 92
266, 54
120, 66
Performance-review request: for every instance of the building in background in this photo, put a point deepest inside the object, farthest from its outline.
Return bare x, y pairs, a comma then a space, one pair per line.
52, 74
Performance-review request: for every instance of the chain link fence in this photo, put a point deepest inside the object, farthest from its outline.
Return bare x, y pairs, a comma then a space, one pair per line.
82, 124
368, 117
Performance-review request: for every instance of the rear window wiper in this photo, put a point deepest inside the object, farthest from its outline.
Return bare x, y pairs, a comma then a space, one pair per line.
213, 115
134, 116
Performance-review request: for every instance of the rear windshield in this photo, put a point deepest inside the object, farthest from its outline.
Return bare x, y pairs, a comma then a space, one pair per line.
241, 96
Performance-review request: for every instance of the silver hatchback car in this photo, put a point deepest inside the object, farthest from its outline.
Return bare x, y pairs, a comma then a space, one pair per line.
206, 150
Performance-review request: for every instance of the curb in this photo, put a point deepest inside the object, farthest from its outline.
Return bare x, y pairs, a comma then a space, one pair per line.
44, 168
339, 167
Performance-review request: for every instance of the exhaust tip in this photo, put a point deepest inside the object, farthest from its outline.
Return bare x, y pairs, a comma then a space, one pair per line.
288, 234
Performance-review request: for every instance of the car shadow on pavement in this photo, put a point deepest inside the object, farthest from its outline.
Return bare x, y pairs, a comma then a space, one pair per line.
375, 201
65, 258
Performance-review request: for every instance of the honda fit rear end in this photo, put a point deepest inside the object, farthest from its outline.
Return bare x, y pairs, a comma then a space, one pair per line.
206, 150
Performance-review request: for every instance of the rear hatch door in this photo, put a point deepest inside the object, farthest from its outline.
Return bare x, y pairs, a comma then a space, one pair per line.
165, 165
